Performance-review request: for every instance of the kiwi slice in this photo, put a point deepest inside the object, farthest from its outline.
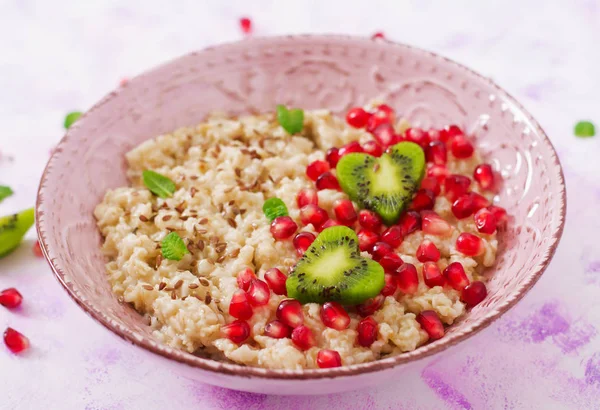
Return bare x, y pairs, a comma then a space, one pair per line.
332, 269
386, 184
12, 230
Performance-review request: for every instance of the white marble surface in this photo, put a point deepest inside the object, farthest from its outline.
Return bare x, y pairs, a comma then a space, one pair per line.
64, 55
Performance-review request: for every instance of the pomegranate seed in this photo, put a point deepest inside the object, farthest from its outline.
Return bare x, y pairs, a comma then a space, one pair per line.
434, 135
450, 132
463, 206
367, 332
237, 331
327, 359
307, 196
418, 136
433, 224
479, 201
328, 224
474, 293
366, 239
277, 330
456, 276
432, 276
283, 227
484, 175
385, 110
244, 278
10, 298
461, 147
349, 148
377, 35
276, 281
303, 337
423, 199
391, 262
431, 184
334, 316
369, 220
332, 156
372, 148
246, 25
37, 249
485, 221
436, 153
431, 323
456, 185
439, 172
316, 168
409, 222
327, 181
302, 241
258, 293
240, 307
384, 134
393, 236
312, 214
500, 215
380, 249
345, 212
289, 312
390, 285
370, 306
357, 117
15, 341
469, 244
427, 251
407, 278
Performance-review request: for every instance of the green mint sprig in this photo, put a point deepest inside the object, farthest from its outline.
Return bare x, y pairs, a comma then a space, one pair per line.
71, 118
585, 129
173, 247
158, 184
291, 120
274, 208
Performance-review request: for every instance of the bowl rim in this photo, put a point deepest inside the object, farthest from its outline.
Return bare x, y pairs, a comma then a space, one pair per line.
211, 365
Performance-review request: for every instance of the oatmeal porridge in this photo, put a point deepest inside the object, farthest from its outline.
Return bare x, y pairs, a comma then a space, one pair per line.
300, 239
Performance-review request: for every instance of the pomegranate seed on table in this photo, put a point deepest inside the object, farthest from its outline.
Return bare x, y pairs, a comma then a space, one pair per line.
332, 156
367, 332
463, 206
246, 25
391, 262
431, 184
303, 337
434, 224
409, 222
485, 221
37, 249
372, 148
316, 168
369, 220
428, 252
380, 249
327, 181
390, 285
385, 135
345, 212
456, 276
432, 276
349, 148
370, 306
393, 236
377, 35
461, 147
237, 331
469, 244
290, 312
302, 241
244, 278
277, 329
307, 196
366, 239
407, 278
10, 298
431, 323
449, 132
436, 153
500, 215
484, 175
312, 214
423, 199
334, 316
328, 224
439, 172
456, 186
258, 293
418, 136
357, 117
479, 201
240, 307
275, 278
283, 227
474, 293
327, 359
15, 341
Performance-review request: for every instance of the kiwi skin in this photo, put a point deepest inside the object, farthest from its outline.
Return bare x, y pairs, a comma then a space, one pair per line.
12, 230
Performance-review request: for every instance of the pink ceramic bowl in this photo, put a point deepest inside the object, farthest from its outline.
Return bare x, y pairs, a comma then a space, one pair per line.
310, 72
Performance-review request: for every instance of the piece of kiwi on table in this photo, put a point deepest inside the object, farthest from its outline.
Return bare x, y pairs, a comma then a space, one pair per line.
386, 184
12, 230
332, 269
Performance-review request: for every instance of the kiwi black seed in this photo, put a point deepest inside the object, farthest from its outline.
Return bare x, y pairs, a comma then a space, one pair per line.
386, 184
332, 269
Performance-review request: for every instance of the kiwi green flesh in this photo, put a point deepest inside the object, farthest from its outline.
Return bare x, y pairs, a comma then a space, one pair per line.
332, 269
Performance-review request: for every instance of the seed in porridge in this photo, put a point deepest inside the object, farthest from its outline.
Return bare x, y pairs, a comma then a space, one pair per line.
277, 329
312, 214
327, 181
409, 222
237, 331
418, 136
436, 153
173, 295
433, 224
373, 148
173, 247
316, 168
214, 240
203, 221
204, 282
428, 252
166, 218
393, 236
178, 284
162, 285
357, 117
500, 215
303, 337
484, 175
461, 147
244, 277
485, 221
431, 184
463, 207
302, 241
369, 220
240, 305
333, 315
367, 332
431, 323
220, 259
390, 285
432, 276
193, 286
351, 147
474, 293
307, 196
258, 293
456, 276
407, 278
328, 224
385, 135
180, 208
194, 177
193, 191
456, 186
169, 289
275, 278
479, 201
469, 244
148, 287
234, 253
220, 247
208, 299
333, 156
345, 212
200, 244
391, 262
370, 306
380, 249
327, 359
289, 312
283, 227
423, 199
143, 218
158, 184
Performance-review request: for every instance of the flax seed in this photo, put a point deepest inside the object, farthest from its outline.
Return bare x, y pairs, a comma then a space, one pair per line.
162, 286
193, 191
169, 289
178, 284
221, 259
194, 177
220, 247
208, 299
231, 222
200, 244
143, 218
147, 287
204, 282
173, 295
203, 221
193, 286
234, 253
166, 217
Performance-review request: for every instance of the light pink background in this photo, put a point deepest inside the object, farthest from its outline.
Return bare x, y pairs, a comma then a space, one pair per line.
59, 57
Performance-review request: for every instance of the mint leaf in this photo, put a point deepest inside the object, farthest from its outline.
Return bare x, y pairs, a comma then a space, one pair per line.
273, 208
585, 129
158, 184
71, 118
5, 192
173, 247
291, 120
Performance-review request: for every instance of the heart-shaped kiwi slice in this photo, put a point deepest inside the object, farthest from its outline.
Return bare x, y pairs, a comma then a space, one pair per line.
386, 184
332, 269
